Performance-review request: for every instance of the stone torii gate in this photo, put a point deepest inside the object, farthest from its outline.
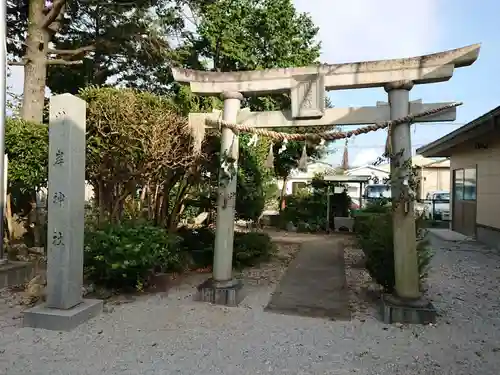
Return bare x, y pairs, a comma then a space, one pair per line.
308, 86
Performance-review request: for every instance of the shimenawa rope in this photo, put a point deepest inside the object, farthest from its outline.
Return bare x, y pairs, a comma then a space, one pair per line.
330, 135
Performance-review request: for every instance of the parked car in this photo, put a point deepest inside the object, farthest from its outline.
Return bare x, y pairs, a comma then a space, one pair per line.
383, 191
437, 205
375, 192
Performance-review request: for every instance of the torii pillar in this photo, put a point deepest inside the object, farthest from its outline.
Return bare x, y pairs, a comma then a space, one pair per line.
403, 218
223, 287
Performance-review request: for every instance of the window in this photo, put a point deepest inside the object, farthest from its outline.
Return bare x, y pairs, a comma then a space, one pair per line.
458, 183
464, 182
470, 184
352, 189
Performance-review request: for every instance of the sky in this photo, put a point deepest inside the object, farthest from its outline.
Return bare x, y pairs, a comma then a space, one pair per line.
357, 30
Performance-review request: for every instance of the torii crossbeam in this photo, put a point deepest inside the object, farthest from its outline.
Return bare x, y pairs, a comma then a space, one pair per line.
332, 116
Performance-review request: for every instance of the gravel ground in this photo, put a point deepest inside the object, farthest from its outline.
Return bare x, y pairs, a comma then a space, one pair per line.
173, 335
363, 292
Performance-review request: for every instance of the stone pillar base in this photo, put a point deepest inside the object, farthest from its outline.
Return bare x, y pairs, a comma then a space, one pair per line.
227, 294
45, 317
395, 310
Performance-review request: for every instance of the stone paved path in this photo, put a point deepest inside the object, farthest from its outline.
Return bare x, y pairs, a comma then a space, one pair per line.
314, 284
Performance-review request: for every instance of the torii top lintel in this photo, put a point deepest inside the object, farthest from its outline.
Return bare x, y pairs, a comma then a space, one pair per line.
436, 67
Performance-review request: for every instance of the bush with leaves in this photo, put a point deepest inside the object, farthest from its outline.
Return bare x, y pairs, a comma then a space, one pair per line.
124, 256
137, 139
362, 218
199, 245
305, 210
252, 177
375, 236
27, 147
249, 248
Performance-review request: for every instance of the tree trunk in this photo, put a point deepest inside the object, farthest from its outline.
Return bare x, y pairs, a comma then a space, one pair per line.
158, 205
282, 194
142, 199
35, 69
8, 215
33, 220
177, 209
101, 218
165, 204
151, 202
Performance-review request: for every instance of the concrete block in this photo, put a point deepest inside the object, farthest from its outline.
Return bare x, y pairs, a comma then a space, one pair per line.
229, 294
15, 273
44, 317
406, 314
343, 224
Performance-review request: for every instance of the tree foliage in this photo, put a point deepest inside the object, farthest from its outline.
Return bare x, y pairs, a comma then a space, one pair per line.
256, 34
27, 148
135, 139
130, 39
259, 34
94, 41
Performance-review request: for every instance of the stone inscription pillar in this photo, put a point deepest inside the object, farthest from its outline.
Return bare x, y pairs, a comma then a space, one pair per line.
65, 308
66, 201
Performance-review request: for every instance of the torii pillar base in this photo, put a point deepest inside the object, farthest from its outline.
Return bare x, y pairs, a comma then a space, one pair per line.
397, 310
228, 293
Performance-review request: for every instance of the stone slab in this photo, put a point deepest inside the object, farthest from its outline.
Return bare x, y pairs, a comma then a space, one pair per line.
228, 295
308, 96
392, 313
314, 284
343, 224
48, 318
15, 273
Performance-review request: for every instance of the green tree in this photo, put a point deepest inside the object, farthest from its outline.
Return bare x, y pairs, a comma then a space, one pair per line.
237, 35
27, 147
31, 25
94, 41
130, 44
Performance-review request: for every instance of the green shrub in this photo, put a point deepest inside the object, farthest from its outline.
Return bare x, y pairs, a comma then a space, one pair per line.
123, 256
27, 146
252, 248
306, 211
199, 244
363, 217
249, 248
362, 223
375, 237
379, 206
